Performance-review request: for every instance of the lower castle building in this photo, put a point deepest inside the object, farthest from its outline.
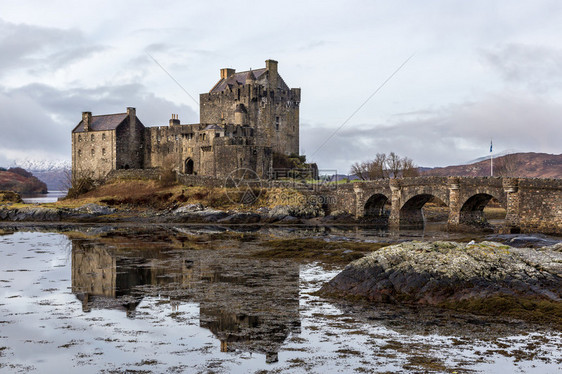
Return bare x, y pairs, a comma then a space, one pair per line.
244, 119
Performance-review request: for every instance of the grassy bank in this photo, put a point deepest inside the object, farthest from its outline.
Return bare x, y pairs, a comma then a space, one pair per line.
139, 194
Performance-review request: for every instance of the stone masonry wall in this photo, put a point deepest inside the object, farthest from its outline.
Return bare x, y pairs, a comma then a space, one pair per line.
540, 205
130, 144
271, 108
133, 174
94, 153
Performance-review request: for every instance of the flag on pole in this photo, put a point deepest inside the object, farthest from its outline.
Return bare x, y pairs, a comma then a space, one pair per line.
490, 145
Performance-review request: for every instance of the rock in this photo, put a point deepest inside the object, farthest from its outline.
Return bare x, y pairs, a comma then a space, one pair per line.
339, 216
446, 273
262, 211
237, 218
279, 212
95, 209
206, 215
189, 208
555, 247
44, 214
30, 214
210, 215
308, 210
290, 219
524, 240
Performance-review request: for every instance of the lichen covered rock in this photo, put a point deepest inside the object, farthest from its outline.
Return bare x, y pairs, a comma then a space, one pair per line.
449, 274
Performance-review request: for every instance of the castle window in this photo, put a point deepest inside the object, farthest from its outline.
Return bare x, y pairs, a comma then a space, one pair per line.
93, 152
217, 135
103, 136
92, 137
277, 123
79, 153
79, 138
103, 151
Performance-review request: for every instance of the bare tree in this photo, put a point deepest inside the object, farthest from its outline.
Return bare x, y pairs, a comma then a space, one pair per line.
373, 169
360, 170
378, 166
409, 169
394, 165
385, 166
78, 182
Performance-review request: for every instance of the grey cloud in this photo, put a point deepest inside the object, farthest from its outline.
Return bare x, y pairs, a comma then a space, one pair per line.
40, 48
454, 134
536, 67
40, 118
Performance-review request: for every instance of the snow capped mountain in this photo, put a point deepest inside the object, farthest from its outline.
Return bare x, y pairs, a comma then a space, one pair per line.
498, 154
42, 165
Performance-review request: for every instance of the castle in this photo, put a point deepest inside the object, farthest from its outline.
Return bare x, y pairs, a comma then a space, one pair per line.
244, 119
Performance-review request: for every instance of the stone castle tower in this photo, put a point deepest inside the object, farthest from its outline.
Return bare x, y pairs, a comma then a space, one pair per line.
260, 99
244, 119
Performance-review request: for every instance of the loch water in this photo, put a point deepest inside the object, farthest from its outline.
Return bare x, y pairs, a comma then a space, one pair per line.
198, 299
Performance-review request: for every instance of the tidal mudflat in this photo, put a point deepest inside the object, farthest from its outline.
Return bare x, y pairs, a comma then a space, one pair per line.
201, 299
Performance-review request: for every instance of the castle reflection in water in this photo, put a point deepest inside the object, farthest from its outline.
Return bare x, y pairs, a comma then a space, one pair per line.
249, 304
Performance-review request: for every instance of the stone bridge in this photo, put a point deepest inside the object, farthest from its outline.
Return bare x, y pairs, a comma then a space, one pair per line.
530, 204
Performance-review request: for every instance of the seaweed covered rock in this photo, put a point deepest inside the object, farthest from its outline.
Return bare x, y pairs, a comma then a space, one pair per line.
481, 277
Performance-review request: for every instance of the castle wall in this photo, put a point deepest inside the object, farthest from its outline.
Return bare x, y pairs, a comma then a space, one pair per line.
215, 152
241, 125
272, 110
94, 153
173, 145
130, 144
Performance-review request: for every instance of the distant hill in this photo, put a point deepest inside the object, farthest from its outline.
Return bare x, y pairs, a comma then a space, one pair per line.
21, 181
54, 173
524, 165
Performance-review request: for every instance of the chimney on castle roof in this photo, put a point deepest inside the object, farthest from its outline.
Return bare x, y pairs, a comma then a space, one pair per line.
87, 119
175, 120
132, 113
227, 72
271, 66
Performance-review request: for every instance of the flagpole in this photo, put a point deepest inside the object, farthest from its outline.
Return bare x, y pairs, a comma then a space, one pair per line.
491, 160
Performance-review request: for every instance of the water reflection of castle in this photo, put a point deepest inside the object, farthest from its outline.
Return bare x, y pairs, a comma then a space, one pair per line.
247, 304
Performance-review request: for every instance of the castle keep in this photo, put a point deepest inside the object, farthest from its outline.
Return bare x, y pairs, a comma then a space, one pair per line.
244, 119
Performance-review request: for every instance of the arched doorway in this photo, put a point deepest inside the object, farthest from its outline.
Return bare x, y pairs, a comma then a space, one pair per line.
189, 166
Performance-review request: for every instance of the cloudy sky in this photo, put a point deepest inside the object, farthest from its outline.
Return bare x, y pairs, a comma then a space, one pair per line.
478, 70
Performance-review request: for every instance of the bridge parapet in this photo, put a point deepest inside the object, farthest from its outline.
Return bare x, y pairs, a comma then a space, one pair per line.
532, 204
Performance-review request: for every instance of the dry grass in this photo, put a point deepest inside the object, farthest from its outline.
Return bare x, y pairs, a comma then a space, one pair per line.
152, 194
494, 213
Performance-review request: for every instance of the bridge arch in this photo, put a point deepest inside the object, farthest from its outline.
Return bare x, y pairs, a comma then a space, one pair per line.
411, 213
472, 210
377, 208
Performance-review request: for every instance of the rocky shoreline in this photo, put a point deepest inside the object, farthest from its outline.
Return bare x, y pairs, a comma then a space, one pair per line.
193, 213
486, 278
